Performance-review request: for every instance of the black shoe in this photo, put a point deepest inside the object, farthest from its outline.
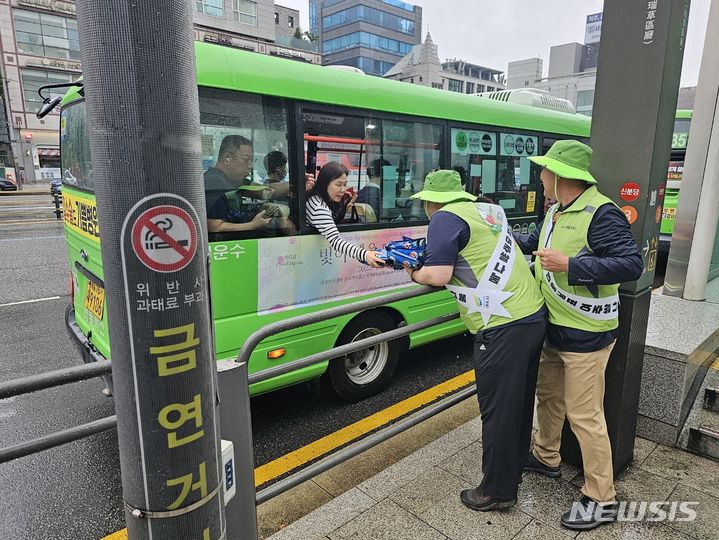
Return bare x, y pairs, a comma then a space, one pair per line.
588, 514
534, 465
473, 498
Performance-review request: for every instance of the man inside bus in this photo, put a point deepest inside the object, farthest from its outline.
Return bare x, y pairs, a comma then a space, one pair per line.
371, 193
471, 252
231, 171
226, 186
584, 249
275, 163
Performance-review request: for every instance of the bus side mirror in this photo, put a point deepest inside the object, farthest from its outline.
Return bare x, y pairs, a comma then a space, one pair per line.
48, 105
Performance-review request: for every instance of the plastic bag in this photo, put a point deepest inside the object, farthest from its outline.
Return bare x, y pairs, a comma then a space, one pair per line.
405, 253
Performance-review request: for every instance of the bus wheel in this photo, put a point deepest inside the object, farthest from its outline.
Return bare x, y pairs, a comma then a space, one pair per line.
364, 373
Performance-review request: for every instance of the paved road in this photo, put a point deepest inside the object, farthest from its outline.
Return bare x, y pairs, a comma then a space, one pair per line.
26, 209
74, 491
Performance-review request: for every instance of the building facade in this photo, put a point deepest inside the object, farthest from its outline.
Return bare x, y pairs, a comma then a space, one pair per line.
422, 66
287, 21
572, 72
523, 73
372, 35
39, 45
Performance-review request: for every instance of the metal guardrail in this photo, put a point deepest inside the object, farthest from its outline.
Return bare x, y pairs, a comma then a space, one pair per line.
303, 320
61, 377
57, 201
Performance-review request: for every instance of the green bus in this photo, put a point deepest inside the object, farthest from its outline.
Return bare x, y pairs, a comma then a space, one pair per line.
680, 138
312, 115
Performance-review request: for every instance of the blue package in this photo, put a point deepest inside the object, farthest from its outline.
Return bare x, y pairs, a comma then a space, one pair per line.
405, 253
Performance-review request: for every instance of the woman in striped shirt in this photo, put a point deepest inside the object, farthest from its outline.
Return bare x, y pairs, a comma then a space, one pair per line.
326, 206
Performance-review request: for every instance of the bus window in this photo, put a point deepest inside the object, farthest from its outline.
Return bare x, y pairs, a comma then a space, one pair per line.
247, 173
410, 150
346, 139
387, 160
517, 182
76, 165
474, 157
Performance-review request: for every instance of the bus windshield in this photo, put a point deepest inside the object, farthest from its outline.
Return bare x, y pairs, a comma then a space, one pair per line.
75, 147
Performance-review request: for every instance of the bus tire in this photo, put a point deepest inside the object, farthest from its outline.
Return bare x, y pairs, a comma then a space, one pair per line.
364, 373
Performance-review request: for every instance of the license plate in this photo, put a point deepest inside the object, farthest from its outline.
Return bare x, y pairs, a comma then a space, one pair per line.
95, 299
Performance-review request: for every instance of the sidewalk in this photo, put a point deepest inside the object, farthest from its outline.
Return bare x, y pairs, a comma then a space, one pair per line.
417, 498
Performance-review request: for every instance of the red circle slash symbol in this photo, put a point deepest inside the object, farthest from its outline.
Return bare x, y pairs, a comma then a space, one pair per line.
164, 238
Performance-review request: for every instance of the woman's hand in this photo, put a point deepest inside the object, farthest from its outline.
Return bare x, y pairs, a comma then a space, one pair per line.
373, 260
309, 181
260, 221
353, 198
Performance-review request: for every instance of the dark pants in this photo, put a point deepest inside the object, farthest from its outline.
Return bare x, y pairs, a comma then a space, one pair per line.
506, 361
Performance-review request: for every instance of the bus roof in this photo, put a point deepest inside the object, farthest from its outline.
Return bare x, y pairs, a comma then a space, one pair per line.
234, 69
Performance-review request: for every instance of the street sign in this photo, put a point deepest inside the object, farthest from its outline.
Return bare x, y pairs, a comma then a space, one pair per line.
164, 238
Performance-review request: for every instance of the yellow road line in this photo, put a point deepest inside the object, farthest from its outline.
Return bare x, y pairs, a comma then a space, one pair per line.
320, 447
325, 445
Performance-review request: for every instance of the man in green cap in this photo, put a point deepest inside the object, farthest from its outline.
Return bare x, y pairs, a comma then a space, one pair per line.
470, 251
584, 249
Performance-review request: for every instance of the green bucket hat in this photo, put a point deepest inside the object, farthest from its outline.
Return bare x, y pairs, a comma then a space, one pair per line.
443, 186
568, 159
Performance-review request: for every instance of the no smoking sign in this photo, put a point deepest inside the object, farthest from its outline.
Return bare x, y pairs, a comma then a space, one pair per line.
164, 238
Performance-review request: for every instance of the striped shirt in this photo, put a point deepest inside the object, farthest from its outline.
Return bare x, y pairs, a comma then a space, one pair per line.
319, 216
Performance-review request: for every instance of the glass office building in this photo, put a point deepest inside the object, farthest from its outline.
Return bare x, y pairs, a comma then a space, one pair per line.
372, 35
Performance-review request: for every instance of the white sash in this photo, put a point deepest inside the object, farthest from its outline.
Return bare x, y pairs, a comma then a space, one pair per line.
598, 309
487, 298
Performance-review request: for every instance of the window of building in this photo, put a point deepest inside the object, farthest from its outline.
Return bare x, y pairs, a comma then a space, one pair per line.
213, 8
585, 102
290, 21
46, 35
277, 18
245, 12
470, 87
420, 78
369, 40
239, 134
585, 97
388, 160
399, 4
370, 15
369, 65
33, 79
454, 85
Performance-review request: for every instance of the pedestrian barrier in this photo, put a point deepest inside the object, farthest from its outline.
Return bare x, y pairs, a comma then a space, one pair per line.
235, 405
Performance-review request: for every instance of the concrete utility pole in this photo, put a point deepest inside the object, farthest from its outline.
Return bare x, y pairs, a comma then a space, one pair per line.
143, 120
695, 229
640, 61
